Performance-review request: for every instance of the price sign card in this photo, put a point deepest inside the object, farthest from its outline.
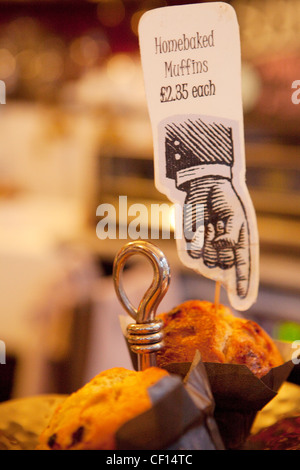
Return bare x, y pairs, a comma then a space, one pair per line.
192, 72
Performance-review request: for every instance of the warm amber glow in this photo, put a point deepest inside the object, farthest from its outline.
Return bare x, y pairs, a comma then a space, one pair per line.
84, 51
134, 22
7, 64
26, 64
110, 12
49, 65
121, 68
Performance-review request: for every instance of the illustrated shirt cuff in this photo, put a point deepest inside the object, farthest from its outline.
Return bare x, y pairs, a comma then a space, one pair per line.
203, 171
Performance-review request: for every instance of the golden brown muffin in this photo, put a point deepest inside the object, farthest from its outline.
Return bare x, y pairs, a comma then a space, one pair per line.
219, 337
89, 418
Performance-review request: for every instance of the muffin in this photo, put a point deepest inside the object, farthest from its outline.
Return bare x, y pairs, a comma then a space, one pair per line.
219, 336
282, 435
89, 418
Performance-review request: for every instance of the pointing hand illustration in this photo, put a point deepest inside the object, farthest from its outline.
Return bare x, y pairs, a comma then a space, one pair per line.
200, 158
226, 232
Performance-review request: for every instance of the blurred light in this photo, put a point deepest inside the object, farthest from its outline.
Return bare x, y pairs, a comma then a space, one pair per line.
24, 31
84, 51
49, 65
269, 26
288, 331
54, 42
134, 22
8, 43
276, 180
251, 86
26, 64
110, 12
104, 47
121, 68
7, 64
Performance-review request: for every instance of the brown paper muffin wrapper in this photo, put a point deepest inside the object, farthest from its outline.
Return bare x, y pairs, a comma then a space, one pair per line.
181, 417
238, 394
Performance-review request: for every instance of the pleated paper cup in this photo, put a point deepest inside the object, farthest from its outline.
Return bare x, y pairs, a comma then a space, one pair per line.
181, 416
238, 394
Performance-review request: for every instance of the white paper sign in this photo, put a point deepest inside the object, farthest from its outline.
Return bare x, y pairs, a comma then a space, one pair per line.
192, 70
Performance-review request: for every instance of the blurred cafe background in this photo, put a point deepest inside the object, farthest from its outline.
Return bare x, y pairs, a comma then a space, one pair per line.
75, 133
